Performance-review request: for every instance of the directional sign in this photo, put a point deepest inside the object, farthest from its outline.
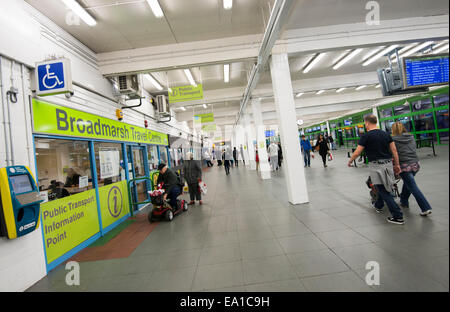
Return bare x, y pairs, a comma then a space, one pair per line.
53, 77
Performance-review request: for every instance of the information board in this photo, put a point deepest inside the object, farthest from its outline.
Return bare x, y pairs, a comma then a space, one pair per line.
424, 71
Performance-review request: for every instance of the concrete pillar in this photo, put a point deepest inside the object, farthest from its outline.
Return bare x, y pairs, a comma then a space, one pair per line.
287, 120
375, 112
264, 167
328, 128
250, 137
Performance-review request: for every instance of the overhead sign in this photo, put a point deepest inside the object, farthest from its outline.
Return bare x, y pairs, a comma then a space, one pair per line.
58, 120
423, 71
186, 93
53, 77
204, 118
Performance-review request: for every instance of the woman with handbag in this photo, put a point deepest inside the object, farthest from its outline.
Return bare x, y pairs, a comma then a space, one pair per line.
322, 147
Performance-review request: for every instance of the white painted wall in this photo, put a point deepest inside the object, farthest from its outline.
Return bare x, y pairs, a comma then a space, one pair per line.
28, 37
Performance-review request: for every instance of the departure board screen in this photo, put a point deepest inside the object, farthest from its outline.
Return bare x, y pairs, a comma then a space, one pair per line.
422, 71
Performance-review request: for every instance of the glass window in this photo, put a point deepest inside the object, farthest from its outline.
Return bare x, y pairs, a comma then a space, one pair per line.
163, 154
421, 105
138, 159
63, 166
440, 100
333, 125
402, 109
426, 137
424, 122
442, 119
406, 121
387, 125
109, 163
443, 136
386, 113
152, 156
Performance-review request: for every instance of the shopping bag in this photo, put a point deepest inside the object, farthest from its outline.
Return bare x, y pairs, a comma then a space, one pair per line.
330, 156
186, 188
203, 188
312, 155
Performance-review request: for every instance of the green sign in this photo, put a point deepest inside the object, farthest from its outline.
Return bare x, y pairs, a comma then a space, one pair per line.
53, 119
208, 128
186, 93
67, 222
204, 118
113, 202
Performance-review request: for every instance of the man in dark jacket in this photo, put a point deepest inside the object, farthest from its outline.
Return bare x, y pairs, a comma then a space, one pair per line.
235, 157
192, 173
171, 186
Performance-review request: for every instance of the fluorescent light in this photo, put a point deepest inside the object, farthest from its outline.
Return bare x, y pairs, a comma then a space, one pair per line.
372, 53
313, 62
340, 90
320, 92
377, 86
380, 54
183, 108
227, 4
154, 82
347, 58
300, 94
226, 73
170, 90
82, 13
205, 106
360, 87
156, 8
441, 49
417, 48
188, 74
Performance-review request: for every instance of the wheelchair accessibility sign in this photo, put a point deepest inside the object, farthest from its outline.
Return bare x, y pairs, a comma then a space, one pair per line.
53, 77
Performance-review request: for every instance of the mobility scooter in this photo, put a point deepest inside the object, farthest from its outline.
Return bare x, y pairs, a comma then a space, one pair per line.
161, 208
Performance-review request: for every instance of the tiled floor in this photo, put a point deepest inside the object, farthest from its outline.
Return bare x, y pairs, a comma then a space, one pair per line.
247, 237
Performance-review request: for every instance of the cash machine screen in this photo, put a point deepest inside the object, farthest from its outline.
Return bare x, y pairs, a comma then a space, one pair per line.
21, 184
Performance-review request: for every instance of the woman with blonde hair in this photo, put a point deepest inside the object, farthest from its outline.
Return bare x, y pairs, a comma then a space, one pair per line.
409, 164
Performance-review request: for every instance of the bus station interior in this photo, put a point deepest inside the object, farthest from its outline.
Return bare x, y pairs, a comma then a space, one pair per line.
259, 71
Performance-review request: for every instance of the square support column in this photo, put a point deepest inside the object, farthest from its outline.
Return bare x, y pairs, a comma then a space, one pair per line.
287, 119
264, 167
250, 137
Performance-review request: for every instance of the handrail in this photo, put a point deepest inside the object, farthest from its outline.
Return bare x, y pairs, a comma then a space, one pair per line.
129, 193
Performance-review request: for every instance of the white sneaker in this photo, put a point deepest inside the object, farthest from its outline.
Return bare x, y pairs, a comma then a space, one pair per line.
425, 213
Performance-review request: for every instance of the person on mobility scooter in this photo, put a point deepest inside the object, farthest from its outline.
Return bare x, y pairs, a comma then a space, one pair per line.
169, 205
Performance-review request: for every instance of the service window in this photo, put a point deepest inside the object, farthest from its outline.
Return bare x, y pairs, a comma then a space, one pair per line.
442, 119
386, 113
406, 121
421, 105
440, 100
109, 163
152, 156
424, 122
163, 154
402, 109
63, 166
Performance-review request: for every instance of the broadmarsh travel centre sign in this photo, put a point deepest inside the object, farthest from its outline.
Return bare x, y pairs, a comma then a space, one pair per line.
58, 120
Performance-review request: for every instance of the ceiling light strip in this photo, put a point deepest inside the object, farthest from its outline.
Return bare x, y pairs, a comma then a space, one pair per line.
156, 8
226, 73
314, 61
347, 58
82, 13
380, 54
417, 49
189, 76
153, 82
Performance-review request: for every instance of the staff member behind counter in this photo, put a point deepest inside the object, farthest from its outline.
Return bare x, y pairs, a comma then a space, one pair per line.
73, 178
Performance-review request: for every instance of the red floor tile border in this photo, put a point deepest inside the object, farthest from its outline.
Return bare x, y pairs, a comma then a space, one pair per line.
121, 246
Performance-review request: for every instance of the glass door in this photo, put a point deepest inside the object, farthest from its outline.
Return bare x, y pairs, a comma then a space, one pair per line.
138, 168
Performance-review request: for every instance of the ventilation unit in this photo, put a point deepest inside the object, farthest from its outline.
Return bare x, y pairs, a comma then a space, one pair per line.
162, 108
128, 84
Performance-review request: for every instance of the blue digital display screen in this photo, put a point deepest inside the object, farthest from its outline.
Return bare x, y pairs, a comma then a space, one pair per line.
426, 71
270, 133
347, 122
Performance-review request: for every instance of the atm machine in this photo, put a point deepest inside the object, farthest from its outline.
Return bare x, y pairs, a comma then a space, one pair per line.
19, 202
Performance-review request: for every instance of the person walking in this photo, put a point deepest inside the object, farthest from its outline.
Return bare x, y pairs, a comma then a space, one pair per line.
257, 160
380, 150
409, 165
273, 154
226, 161
280, 155
306, 150
207, 157
322, 146
235, 157
192, 173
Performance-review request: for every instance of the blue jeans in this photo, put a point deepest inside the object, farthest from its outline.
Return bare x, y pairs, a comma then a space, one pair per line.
307, 158
385, 196
410, 187
173, 195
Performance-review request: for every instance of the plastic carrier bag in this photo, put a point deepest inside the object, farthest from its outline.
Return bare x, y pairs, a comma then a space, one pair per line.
203, 188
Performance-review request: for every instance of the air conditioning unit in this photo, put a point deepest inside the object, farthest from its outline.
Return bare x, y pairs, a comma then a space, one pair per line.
162, 106
128, 84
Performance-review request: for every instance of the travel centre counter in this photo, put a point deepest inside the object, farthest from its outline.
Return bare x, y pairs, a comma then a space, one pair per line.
83, 165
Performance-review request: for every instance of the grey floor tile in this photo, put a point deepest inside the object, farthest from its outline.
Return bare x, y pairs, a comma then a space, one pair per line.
261, 249
317, 262
220, 254
294, 227
301, 243
208, 277
269, 269
221, 238
324, 225
342, 238
178, 259
178, 280
337, 282
255, 234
